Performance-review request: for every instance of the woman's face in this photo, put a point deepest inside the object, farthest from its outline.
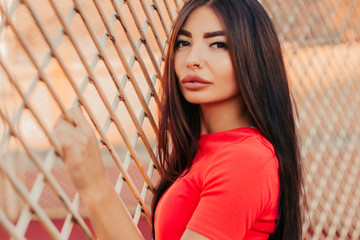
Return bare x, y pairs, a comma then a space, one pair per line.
202, 60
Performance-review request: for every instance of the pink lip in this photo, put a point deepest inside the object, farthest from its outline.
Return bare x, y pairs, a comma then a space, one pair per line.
193, 82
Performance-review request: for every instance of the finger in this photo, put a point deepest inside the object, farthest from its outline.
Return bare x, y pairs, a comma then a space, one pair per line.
76, 135
79, 118
67, 133
60, 118
69, 118
66, 139
59, 142
62, 123
64, 117
59, 151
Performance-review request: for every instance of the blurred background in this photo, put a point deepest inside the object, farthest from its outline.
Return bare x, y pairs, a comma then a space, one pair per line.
108, 55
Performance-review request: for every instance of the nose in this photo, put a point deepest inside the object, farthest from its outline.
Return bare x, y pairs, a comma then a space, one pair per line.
194, 57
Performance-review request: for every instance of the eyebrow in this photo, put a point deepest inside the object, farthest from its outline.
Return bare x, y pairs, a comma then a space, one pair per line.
206, 35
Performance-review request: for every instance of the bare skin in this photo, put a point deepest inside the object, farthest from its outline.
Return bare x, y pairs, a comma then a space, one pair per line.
202, 52
221, 108
106, 210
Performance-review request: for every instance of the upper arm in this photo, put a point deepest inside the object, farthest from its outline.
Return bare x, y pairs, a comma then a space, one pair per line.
192, 235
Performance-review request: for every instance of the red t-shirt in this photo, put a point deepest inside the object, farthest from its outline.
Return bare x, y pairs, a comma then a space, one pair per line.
231, 191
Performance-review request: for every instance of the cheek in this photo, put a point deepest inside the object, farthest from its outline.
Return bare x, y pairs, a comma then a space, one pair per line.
178, 69
233, 81
177, 65
225, 70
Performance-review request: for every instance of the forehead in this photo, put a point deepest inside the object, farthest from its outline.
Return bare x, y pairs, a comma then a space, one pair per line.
202, 19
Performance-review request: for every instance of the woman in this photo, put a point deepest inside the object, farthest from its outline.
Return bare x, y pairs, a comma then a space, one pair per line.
233, 170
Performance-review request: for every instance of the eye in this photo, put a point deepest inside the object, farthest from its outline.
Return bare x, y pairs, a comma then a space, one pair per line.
219, 45
181, 44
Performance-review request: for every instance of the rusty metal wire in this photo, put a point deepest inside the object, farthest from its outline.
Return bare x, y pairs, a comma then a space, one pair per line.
120, 12
107, 55
322, 48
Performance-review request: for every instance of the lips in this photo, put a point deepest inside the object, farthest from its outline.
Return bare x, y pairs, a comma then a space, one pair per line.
193, 82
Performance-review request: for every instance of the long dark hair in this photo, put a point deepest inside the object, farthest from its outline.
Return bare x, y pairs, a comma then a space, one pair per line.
259, 67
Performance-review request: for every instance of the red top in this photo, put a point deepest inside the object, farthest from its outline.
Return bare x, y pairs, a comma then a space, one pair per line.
231, 191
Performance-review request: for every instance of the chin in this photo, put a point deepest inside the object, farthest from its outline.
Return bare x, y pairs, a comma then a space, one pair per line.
200, 101
192, 99
195, 101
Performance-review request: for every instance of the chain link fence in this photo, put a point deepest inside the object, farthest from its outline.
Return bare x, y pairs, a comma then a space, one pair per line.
107, 55
321, 42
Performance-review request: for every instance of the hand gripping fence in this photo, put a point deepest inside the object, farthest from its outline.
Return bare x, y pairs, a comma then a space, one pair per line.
108, 55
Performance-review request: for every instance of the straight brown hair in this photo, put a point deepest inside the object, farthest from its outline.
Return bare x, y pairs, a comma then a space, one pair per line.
257, 58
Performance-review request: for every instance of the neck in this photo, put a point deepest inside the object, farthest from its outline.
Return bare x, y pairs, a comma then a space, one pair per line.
225, 115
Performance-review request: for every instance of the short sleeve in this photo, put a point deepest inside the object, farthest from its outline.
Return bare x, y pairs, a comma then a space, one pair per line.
238, 186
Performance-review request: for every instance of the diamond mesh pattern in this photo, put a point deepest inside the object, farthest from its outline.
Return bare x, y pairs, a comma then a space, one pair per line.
107, 55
